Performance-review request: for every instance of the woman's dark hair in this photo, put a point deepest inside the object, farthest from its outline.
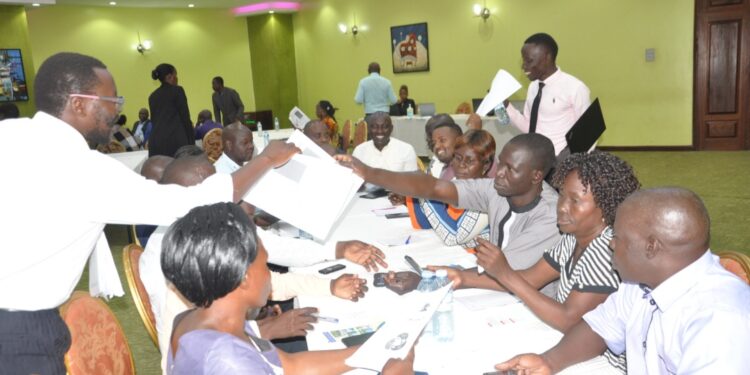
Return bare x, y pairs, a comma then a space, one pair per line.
206, 253
403, 87
438, 121
63, 74
328, 108
162, 71
482, 142
609, 178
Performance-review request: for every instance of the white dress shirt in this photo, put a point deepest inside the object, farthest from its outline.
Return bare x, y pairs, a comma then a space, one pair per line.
564, 99
56, 199
396, 156
696, 321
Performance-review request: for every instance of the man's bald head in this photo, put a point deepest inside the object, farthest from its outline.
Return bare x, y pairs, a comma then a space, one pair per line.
237, 140
153, 167
188, 171
658, 232
317, 131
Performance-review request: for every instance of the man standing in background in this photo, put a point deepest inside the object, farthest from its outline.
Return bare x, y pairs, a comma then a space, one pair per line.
555, 99
142, 127
228, 106
375, 92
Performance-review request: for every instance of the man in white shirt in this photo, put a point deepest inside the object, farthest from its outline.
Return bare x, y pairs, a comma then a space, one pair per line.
41, 262
678, 310
237, 143
383, 151
555, 99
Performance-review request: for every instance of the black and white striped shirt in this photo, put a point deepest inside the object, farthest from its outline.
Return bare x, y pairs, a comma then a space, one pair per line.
592, 273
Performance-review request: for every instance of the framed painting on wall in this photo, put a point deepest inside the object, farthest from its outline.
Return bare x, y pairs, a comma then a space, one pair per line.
410, 48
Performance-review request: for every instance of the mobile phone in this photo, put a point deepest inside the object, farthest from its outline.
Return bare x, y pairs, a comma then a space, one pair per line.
356, 340
331, 269
414, 265
397, 215
379, 193
378, 279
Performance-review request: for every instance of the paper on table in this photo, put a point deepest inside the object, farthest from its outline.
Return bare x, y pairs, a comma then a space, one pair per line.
397, 336
322, 188
484, 299
298, 118
503, 86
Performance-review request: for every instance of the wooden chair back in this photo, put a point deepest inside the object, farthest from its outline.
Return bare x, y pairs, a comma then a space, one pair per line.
131, 254
736, 263
346, 135
360, 133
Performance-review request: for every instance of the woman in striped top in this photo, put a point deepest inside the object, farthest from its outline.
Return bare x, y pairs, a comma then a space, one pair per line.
591, 187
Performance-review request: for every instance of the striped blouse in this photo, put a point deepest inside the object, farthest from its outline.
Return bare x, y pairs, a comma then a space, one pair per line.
592, 273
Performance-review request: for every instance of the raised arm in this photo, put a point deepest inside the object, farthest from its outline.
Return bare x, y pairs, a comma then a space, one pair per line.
415, 184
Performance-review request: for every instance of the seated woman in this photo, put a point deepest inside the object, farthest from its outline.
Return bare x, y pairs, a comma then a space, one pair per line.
402, 105
473, 155
215, 260
591, 187
325, 111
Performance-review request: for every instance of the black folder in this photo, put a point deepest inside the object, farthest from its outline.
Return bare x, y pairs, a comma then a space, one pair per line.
587, 129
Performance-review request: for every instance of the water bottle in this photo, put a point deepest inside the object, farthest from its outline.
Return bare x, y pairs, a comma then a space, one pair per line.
427, 284
442, 321
276, 124
260, 131
266, 139
502, 115
409, 112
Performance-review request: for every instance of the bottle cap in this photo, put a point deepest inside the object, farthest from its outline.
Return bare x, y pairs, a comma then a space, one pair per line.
426, 274
441, 273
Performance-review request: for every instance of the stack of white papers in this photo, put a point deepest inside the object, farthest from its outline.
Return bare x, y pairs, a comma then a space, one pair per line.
298, 118
311, 191
503, 86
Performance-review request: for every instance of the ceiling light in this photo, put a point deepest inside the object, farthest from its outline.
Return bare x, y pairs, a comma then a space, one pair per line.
112, 3
191, 5
35, 4
270, 12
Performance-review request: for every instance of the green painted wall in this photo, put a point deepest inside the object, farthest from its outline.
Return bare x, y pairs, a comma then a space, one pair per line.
14, 33
602, 42
274, 70
200, 43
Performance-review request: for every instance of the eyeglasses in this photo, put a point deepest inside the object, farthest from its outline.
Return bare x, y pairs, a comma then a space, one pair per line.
118, 100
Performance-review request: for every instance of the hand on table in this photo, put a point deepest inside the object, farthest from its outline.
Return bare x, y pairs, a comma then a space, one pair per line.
526, 364
349, 287
396, 199
400, 366
492, 259
279, 152
457, 276
295, 322
349, 161
361, 253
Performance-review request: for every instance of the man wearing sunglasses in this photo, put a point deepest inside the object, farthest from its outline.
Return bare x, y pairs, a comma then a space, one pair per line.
44, 252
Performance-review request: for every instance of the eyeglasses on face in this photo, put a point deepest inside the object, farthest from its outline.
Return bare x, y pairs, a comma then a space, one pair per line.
118, 100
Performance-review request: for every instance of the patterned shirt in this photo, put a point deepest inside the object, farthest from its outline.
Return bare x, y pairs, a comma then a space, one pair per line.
592, 273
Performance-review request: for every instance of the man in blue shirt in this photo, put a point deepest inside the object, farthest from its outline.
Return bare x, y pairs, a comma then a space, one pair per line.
375, 92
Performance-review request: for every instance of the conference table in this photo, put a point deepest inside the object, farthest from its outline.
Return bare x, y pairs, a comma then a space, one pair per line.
411, 130
490, 326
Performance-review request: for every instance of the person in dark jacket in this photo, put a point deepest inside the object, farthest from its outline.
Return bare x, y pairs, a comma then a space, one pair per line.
169, 114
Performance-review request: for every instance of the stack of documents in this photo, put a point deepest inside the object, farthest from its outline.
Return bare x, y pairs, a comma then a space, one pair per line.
311, 191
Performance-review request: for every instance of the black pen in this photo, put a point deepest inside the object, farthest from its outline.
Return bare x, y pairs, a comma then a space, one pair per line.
413, 264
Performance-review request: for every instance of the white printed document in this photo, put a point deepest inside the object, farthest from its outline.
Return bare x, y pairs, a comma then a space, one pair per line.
298, 118
397, 336
503, 86
311, 191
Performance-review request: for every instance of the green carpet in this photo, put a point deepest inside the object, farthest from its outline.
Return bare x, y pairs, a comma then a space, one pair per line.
720, 178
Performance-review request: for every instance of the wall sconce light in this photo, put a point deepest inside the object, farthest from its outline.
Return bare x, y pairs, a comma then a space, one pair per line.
482, 11
355, 29
143, 46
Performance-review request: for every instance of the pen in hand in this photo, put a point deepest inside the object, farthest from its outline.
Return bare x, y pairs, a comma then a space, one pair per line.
324, 318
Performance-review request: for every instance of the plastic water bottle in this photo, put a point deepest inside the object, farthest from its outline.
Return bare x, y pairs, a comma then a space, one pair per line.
502, 115
409, 112
276, 124
266, 139
442, 321
260, 131
427, 284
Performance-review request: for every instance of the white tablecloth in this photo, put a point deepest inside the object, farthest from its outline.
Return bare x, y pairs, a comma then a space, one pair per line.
411, 130
484, 336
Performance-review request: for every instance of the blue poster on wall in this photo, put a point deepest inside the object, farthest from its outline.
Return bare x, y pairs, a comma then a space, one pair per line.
410, 48
12, 78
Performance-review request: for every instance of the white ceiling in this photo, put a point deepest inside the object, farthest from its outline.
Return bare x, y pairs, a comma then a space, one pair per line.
149, 3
